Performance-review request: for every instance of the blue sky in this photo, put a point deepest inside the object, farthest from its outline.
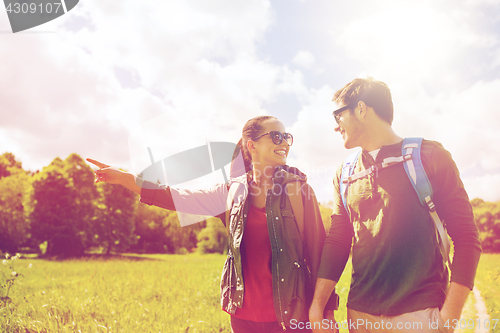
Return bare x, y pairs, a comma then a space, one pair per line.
107, 80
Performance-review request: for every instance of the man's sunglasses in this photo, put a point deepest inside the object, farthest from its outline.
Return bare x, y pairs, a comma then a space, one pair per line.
278, 137
337, 113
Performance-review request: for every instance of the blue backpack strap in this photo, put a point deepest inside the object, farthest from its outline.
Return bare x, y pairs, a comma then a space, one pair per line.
418, 178
415, 170
347, 171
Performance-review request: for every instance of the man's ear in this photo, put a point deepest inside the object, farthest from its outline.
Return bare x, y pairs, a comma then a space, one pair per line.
362, 110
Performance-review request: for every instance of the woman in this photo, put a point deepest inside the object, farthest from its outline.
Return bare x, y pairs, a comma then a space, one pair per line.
268, 278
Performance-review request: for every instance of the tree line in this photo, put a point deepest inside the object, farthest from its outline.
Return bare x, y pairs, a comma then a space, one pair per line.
487, 216
60, 211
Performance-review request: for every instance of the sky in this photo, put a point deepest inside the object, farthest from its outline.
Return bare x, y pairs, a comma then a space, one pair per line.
109, 79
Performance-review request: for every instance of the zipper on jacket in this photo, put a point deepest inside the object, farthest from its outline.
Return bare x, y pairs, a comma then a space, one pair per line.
277, 261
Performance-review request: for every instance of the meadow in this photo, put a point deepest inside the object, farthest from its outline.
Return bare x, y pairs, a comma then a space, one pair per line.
168, 293
488, 282
156, 293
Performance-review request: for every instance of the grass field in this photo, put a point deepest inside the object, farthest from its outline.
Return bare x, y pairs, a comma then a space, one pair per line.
160, 293
488, 282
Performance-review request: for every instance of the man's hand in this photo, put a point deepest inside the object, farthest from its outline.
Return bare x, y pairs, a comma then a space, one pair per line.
317, 313
318, 322
456, 296
331, 320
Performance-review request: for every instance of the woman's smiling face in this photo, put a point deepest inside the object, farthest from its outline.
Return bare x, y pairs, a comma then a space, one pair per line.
265, 151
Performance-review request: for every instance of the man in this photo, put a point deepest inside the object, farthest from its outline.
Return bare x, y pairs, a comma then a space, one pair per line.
400, 280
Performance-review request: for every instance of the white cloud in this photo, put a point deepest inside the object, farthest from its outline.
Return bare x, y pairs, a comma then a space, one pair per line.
317, 149
291, 82
47, 97
304, 59
431, 55
192, 63
484, 187
467, 122
197, 71
413, 41
164, 40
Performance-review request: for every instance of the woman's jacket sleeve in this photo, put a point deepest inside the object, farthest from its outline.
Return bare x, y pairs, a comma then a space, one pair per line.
211, 202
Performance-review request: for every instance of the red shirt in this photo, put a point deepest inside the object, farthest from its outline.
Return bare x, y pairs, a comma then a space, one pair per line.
256, 255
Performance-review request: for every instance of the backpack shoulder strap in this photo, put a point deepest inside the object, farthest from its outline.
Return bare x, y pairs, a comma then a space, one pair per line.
420, 182
347, 171
415, 170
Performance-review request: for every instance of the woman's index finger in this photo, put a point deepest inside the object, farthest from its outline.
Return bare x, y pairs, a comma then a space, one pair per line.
99, 164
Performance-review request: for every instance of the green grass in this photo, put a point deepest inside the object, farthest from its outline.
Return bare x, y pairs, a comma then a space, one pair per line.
468, 316
488, 282
157, 293
174, 294
342, 290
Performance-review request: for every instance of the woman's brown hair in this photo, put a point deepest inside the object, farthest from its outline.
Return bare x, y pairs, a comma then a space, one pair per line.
252, 129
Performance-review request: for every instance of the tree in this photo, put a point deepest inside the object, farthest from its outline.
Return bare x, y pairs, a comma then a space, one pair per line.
14, 183
158, 231
9, 164
53, 211
182, 239
487, 217
150, 228
85, 196
326, 213
114, 221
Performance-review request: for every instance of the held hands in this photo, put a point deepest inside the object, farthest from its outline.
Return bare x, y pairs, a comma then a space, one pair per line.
322, 320
324, 323
331, 320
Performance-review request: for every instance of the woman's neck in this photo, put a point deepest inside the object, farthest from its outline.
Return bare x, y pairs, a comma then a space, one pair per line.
263, 176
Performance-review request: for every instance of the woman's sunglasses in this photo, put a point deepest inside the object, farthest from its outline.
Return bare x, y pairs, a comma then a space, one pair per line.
278, 137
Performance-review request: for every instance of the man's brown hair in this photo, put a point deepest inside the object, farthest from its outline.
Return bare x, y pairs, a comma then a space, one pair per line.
375, 94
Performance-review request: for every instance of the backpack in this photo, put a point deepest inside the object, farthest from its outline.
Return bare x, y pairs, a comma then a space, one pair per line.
410, 157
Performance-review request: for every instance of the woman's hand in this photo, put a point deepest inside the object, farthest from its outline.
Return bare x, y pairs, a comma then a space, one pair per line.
112, 175
108, 174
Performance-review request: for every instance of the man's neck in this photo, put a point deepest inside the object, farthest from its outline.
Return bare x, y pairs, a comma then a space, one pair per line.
378, 137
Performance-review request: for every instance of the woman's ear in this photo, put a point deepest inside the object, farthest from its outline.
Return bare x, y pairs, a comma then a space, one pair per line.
251, 146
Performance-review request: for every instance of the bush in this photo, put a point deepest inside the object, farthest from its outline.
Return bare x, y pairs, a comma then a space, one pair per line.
213, 239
